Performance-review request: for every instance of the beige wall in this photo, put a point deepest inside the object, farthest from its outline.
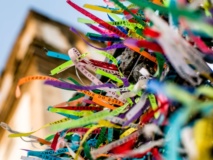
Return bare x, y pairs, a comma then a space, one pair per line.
29, 112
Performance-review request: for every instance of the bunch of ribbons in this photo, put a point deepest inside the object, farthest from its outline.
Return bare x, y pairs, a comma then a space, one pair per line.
165, 113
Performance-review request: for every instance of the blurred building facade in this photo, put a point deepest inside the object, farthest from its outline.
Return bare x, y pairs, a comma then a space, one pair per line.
28, 57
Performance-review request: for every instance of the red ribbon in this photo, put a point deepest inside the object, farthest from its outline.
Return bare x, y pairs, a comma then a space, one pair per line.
96, 19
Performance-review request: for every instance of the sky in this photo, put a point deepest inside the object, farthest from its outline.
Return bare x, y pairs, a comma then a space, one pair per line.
13, 14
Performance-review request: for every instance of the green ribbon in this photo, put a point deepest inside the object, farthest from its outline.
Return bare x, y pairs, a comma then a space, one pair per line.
101, 137
173, 10
160, 61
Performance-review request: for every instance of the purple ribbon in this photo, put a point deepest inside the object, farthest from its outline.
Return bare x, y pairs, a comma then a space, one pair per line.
120, 45
125, 81
137, 115
65, 85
